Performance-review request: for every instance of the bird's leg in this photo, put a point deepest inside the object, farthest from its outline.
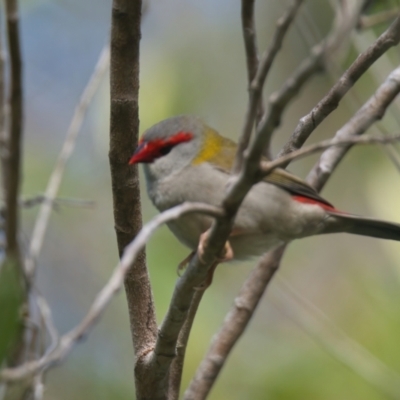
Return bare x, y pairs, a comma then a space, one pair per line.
226, 255
184, 263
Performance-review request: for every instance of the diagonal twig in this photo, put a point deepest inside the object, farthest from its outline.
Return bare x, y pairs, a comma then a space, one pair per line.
334, 149
373, 110
308, 123
257, 83
68, 147
67, 341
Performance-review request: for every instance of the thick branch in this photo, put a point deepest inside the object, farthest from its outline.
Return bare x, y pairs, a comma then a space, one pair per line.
124, 128
13, 152
3, 135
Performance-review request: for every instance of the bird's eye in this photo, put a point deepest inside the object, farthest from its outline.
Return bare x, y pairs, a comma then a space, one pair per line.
166, 149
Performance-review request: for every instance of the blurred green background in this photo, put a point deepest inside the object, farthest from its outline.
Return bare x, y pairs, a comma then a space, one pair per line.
192, 61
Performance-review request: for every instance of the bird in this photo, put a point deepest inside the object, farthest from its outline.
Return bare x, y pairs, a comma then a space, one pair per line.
185, 160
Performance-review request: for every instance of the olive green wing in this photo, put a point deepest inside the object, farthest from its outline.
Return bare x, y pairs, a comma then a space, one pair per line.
222, 156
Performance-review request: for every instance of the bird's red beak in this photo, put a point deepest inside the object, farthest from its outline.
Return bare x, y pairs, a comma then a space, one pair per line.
141, 154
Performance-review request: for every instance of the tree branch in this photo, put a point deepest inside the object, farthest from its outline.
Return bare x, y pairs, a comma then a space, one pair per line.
3, 131
57, 174
257, 83
336, 146
124, 127
114, 284
175, 375
234, 325
13, 152
308, 123
373, 110
250, 45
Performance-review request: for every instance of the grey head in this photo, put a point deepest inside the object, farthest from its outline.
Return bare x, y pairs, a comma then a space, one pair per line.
169, 146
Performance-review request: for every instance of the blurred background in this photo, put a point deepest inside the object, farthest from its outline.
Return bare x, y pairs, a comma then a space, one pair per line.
192, 61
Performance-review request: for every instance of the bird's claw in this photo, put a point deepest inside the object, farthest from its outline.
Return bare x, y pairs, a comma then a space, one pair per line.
226, 255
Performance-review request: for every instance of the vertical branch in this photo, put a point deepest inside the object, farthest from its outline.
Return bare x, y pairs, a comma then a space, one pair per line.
124, 126
175, 374
2, 104
250, 45
13, 153
257, 84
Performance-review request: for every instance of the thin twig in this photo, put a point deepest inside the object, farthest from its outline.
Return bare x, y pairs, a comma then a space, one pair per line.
175, 375
58, 201
373, 110
369, 21
280, 99
250, 45
103, 298
308, 123
68, 147
255, 89
336, 146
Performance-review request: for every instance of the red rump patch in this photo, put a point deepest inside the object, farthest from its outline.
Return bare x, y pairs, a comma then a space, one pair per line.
308, 200
147, 152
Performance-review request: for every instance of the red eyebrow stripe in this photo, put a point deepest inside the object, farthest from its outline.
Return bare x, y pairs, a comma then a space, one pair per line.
179, 137
308, 200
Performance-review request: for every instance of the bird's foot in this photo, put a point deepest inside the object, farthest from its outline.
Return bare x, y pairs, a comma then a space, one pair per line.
226, 255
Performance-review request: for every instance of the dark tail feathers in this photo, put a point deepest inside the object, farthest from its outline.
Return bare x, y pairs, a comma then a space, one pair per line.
364, 226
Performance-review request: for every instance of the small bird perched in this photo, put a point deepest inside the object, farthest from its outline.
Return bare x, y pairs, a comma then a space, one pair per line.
186, 160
